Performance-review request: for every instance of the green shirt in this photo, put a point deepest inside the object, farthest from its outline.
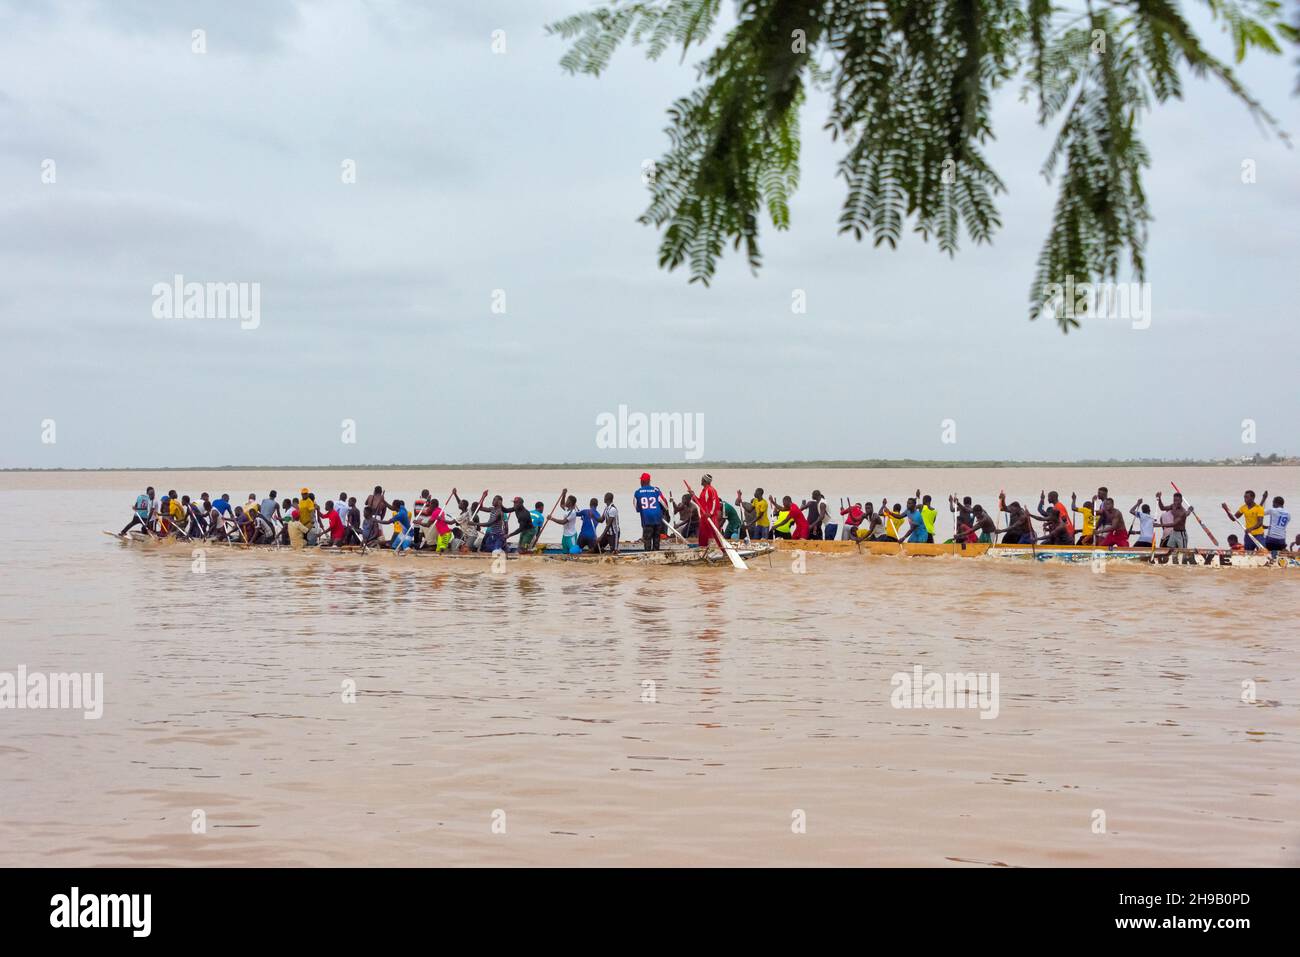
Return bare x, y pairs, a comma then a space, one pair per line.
731, 519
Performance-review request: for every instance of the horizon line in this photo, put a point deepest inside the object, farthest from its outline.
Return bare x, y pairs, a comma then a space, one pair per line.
718, 463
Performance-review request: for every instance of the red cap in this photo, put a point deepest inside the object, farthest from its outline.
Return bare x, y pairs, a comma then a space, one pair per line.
645, 478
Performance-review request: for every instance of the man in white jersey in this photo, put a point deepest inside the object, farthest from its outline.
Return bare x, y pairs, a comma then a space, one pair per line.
1146, 524
1278, 519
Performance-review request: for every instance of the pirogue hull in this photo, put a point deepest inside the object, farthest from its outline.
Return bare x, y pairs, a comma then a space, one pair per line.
1042, 553
632, 553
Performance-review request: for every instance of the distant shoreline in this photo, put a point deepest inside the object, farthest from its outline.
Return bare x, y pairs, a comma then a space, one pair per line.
693, 465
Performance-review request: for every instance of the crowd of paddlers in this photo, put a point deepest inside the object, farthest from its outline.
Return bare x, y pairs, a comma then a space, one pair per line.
703, 517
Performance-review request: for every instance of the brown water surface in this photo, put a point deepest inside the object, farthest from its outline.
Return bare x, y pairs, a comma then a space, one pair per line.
625, 715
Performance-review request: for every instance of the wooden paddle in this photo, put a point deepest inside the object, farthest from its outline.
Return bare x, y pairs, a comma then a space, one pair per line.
537, 546
737, 562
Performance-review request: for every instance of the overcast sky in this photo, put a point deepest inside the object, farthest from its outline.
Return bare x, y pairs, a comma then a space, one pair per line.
479, 171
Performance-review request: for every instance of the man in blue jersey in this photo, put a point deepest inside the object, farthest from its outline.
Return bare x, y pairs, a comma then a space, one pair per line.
142, 513
650, 506
223, 514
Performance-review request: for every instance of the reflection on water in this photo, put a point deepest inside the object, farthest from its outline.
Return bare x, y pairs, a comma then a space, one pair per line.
624, 716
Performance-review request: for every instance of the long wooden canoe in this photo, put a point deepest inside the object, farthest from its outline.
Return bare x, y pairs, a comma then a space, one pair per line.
630, 552
1042, 553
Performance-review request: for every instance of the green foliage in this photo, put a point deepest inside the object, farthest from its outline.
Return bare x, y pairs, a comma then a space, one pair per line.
910, 84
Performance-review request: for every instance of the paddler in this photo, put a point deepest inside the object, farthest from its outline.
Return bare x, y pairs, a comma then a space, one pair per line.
1056, 531
1088, 521
687, 517
590, 517
194, 518
708, 507
1176, 521
1019, 530
294, 530
494, 539
649, 503
243, 525
609, 517
851, 515
219, 516
1146, 524
1278, 520
890, 522
526, 523
400, 521
928, 516
568, 523
176, 517
468, 522
307, 510
749, 515
1112, 528
982, 525
732, 523
791, 522
1252, 515
870, 524
1057, 527
338, 530
263, 529
378, 504
915, 523
1054, 504
817, 512
762, 519
141, 513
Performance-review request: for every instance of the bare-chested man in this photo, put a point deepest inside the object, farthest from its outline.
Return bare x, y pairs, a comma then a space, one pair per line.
1112, 526
1176, 523
1019, 530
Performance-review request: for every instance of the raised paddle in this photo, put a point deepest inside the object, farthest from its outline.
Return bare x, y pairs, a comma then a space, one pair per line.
1209, 534
727, 547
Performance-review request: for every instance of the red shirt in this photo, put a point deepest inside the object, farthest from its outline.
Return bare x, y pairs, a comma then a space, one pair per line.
800, 522
337, 529
708, 502
854, 512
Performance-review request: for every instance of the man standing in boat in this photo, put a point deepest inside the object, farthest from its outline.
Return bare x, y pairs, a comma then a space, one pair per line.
710, 510
650, 506
141, 513
1176, 523
816, 512
1252, 515
608, 541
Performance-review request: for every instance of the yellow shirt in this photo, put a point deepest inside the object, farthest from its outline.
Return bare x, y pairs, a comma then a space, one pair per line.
1088, 520
1254, 518
178, 513
306, 512
760, 512
892, 524
783, 521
